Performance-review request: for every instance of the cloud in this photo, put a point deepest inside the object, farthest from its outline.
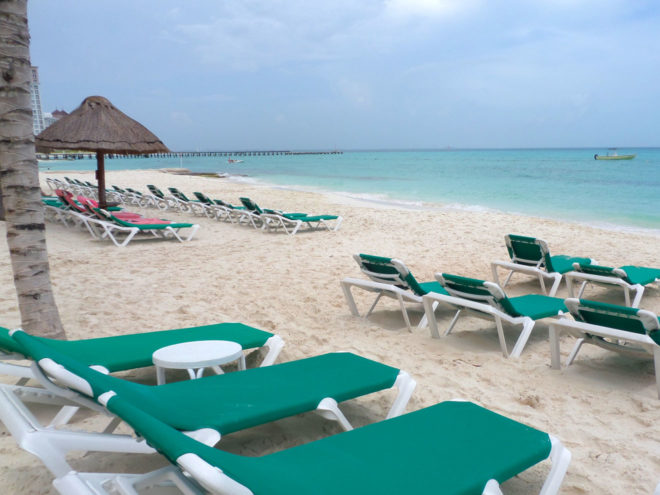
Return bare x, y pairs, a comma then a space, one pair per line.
425, 8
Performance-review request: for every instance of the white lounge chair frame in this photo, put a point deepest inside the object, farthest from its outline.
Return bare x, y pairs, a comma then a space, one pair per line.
383, 285
273, 221
623, 341
529, 267
482, 310
577, 276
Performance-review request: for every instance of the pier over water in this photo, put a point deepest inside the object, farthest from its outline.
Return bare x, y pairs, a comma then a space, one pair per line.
181, 154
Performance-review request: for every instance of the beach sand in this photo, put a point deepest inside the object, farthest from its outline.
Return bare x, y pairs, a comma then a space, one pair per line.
604, 408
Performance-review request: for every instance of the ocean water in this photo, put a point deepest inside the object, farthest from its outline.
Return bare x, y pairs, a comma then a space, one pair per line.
563, 184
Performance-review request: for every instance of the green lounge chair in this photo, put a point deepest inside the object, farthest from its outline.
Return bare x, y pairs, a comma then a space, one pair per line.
388, 277
207, 407
216, 208
290, 222
158, 228
532, 257
452, 448
630, 278
195, 206
616, 328
487, 299
131, 351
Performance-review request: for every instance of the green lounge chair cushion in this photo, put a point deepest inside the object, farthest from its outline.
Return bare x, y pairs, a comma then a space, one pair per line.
235, 401
124, 352
306, 218
562, 263
537, 306
641, 275
151, 226
451, 448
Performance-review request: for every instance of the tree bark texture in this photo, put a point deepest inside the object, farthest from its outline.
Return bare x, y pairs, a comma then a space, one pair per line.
19, 177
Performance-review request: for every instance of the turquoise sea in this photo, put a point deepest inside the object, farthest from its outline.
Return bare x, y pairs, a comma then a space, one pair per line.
566, 184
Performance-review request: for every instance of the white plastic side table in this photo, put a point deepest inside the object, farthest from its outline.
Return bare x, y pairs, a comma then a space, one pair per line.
196, 356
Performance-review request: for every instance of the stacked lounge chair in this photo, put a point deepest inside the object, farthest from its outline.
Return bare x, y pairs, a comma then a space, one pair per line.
487, 299
531, 256
615, 328
629, 277
456, 447
388, 277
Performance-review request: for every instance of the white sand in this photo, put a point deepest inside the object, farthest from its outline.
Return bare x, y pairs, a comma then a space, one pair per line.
604, 408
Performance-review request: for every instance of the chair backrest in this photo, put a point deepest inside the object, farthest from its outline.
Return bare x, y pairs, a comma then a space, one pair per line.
477, 290
528, 251
118, 189
203, 198
178, 194
613, 316
155, 191
603, 271
67, 198
251, 206
134, 191
388, 271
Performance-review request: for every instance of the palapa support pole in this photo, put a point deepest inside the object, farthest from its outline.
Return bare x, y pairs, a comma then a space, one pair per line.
100, 178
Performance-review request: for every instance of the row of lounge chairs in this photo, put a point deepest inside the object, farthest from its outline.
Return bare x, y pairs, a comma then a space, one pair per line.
114, 223
248, 213
620, 328
455, 447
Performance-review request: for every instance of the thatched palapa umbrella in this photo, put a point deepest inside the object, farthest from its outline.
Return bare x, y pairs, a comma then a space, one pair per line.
96, 125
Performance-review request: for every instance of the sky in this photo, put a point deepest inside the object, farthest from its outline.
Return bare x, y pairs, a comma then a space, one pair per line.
368, 74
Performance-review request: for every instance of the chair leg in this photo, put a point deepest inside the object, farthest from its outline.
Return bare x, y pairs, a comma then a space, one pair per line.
429, 313
528, 325
492, 488
555, 354
423, 323
453, 322
574, 352
555, 285
404, 311
349, 299
583, 286
406, 386
560, 457
329, 409
500, 335
373, 305
508, 277
656, 363
639, 292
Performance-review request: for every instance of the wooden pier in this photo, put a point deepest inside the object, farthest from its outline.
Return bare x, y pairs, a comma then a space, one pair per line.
182, 154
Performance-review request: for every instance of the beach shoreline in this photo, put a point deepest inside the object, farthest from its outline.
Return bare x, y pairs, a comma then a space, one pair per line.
603, 408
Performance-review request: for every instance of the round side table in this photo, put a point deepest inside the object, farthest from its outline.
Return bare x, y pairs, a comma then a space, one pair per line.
197, 355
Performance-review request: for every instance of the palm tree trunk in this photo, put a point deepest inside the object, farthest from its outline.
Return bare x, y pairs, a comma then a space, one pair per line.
19, 177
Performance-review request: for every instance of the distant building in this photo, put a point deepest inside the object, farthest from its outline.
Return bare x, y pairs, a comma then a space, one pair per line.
51, 118
37, 114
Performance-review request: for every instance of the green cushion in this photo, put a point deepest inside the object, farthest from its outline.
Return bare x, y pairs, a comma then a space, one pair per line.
537, 306
124, 352
563, 264
151, 226
451, 448
434, 286
8, 344
524, 247
641, 275
609, 315
235, 401
314, 218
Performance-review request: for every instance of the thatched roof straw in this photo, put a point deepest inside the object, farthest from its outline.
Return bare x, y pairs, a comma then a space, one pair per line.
96, 125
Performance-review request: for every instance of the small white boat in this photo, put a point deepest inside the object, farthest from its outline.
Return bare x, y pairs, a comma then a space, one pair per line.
231, 160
